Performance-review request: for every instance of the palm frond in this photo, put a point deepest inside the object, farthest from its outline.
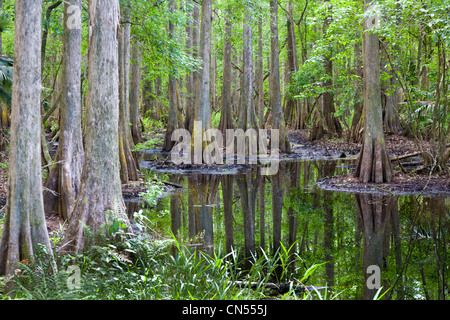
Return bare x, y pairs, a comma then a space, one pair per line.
6, 76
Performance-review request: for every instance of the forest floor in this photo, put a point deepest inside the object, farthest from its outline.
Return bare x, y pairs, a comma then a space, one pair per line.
407, 182
339, 148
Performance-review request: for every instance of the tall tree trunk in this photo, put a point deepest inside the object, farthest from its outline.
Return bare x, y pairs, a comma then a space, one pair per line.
190, 111
260, 76
440, 127
189, 76
292, 65
391, 117
373, 164
24, 226
172, 121
148, 101
100, 200
248, 115
332, 123
46, 158
65, 176
1, 32
203, 86
226, 119
128, 163
135, 86
355, 135
275, 90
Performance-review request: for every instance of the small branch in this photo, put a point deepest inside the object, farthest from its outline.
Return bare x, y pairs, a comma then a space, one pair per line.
168, 183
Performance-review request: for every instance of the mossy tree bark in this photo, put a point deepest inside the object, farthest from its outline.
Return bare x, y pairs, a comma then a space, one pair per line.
373, 164
100, 200
332, 122
24, 225
65, 176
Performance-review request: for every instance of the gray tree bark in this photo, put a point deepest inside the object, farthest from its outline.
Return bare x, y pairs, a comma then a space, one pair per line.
129, 165
247, 117
172, 119
100, 200
192, 92
203, 101
275, 89
24, 225
226, 120
135, 85
260, 76
373, 164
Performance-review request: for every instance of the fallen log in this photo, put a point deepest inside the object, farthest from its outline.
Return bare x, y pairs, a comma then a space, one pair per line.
406, 156
168, 183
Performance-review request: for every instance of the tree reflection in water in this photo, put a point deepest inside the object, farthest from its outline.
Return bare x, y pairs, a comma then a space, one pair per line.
406, 236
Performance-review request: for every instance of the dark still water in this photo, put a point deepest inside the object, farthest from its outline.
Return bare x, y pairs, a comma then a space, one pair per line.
365, 241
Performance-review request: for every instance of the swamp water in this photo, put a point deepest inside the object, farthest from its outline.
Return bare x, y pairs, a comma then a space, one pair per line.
364, 240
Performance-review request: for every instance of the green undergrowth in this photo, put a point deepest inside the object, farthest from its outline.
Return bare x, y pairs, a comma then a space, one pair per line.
137, 267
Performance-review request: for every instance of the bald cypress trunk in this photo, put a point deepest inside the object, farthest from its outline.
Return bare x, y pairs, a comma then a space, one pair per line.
129, 165
247, 117
275, 89
374, 164
172, 119
260, 76
24, 224
192, 90
100, 200
203, 85
65, 176
226, 120
135, 86
332, 123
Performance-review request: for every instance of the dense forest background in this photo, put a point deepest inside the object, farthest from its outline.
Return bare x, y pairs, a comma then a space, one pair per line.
320, 58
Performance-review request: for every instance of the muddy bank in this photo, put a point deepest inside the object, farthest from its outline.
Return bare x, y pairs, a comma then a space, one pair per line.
326, 149
397, 145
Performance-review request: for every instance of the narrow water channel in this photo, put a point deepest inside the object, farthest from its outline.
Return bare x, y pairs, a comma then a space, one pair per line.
398, 242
